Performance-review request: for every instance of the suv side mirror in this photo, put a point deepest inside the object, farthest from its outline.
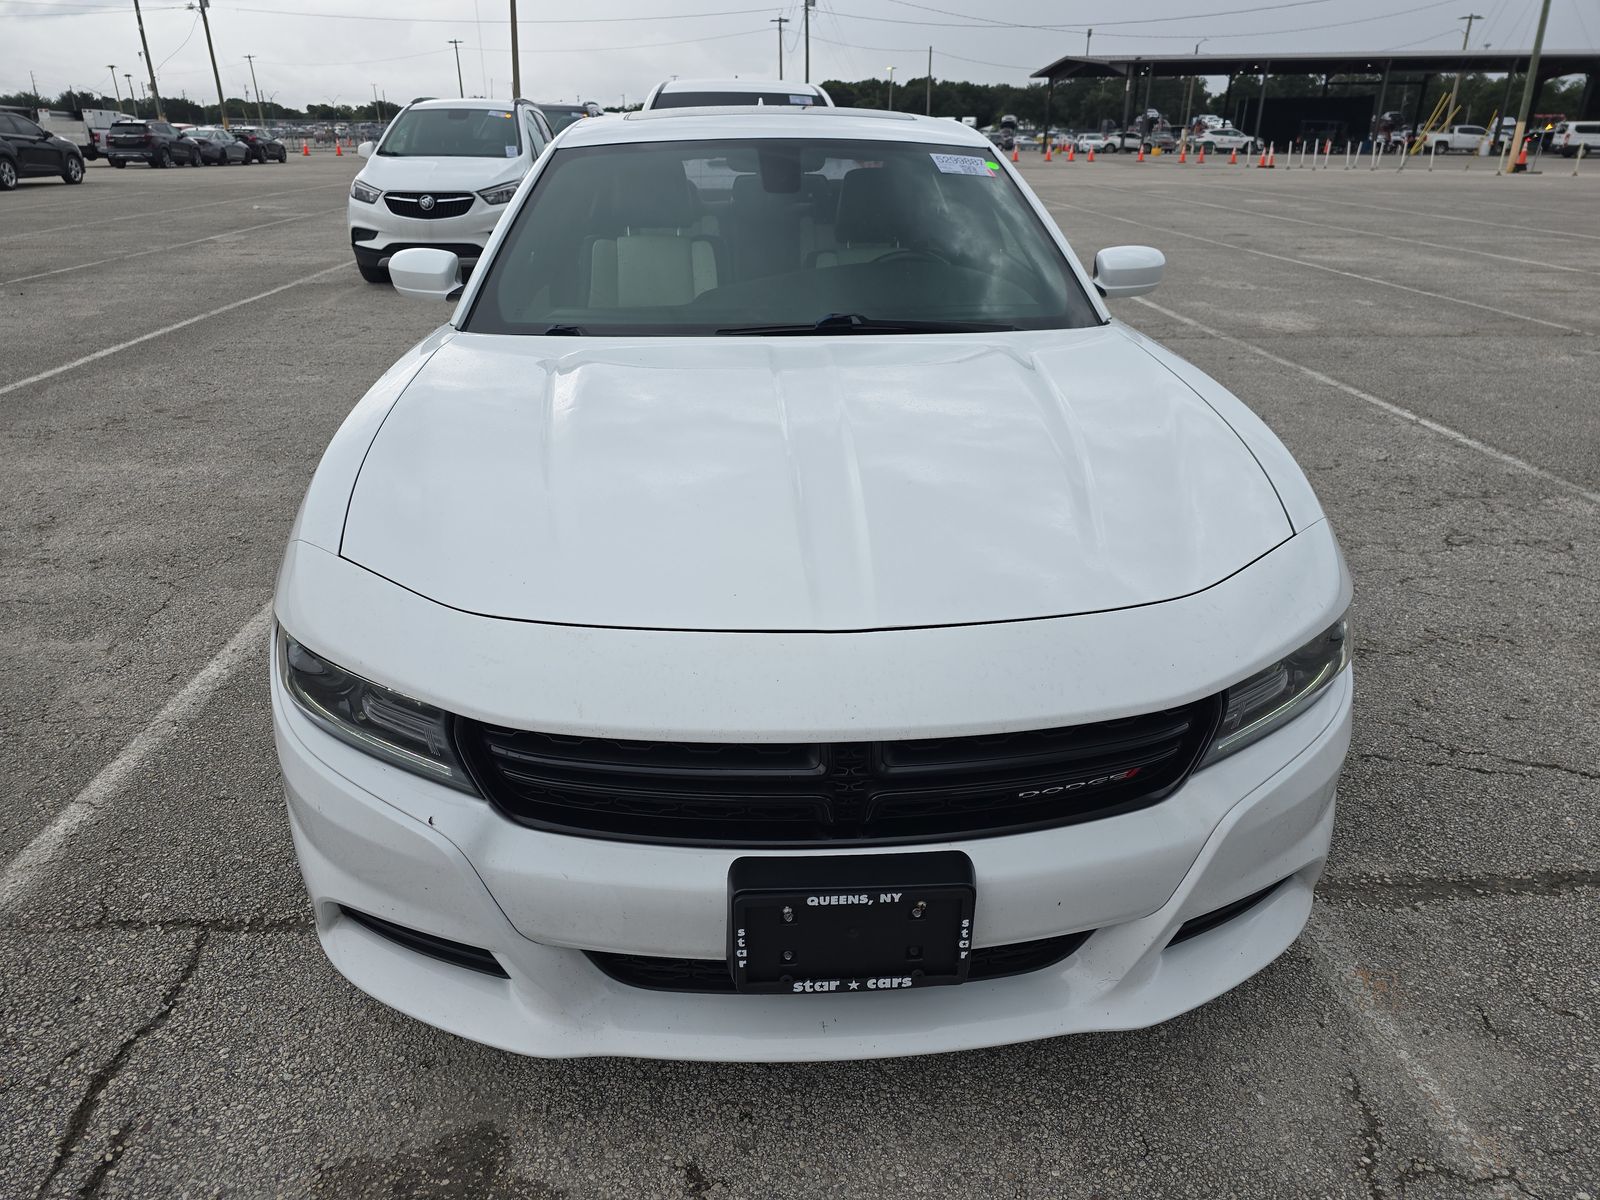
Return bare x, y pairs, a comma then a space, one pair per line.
365, 149
1121, 271
425, 273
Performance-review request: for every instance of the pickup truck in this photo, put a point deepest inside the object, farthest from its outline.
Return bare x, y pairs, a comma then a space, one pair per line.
1466, 138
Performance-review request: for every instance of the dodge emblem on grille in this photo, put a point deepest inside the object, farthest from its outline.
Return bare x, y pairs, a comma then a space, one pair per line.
426, 204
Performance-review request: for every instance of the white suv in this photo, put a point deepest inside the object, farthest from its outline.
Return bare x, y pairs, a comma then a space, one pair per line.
441, 177
724, 93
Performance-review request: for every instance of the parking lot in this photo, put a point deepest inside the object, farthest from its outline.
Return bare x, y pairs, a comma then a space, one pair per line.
180, 345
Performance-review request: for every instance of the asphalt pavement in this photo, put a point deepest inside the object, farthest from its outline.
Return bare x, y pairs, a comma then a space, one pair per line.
179, 346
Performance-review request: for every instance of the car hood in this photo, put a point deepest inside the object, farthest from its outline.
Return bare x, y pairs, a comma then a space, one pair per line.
839, 483
441, 174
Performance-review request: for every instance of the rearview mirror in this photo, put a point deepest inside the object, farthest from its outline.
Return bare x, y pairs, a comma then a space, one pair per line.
366, 149
425, 273
1121, 271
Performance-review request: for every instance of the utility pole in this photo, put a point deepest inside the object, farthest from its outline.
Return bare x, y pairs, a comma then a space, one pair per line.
133, 101
261, 119
808, 5
1087, 38
1455, 88
516, 59
150, 63
115, 86
780, 22
891, 89
377, 113
456, 42
930, 81
222, 105
1531, 81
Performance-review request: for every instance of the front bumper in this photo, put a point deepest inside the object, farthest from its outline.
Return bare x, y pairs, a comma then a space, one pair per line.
383, 842
376, 233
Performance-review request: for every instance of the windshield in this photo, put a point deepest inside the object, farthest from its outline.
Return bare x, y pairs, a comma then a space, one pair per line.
560, 118
682, 238
687, 99
452, 133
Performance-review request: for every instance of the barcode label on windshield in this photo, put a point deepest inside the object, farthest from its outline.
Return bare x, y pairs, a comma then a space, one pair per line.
962, 164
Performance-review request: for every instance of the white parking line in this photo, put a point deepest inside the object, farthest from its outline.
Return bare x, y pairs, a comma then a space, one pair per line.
1394, 410
166, 329
1300, 262
167, 212
1565, 232
1373, 233
23, 870
100, 262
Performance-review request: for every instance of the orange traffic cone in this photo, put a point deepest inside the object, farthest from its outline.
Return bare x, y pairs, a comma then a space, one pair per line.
1522, 159
1201, 157
1091, 155
1263, 161
1272, 155
1072, 151
338, 150
1047, 157
1233, 159
1141, 155
1183, 154
305, 149
1014, 154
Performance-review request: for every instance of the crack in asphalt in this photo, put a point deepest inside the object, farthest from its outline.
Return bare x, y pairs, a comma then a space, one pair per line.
67, 1146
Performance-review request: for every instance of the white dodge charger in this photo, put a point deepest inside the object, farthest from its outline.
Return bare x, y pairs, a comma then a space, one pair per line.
782, 615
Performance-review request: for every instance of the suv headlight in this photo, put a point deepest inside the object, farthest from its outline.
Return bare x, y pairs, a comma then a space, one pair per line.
1270, 699
367, 195
501, 194
383, 723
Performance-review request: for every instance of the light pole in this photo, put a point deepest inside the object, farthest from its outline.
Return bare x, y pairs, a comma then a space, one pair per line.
261, 120
1455, 88
222, 105
807, 7
134, 103
780, 22
1188, 98
516, 58
115, 86
1531, 81
460, 86
891, 89
149, 62
377, 113
1087, 38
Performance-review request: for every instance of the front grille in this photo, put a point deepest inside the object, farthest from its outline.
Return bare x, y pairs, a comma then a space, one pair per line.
855, 793
445, 204
711, 974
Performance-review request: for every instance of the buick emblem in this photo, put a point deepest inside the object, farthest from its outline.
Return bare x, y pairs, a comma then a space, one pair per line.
426, 204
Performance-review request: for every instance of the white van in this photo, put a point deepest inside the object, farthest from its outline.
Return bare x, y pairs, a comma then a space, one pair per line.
722, 93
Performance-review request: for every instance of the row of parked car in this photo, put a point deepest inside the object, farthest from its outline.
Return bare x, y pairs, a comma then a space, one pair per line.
27, 149
158, 144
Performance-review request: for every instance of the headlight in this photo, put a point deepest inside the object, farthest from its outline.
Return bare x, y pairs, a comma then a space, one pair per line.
1271, 698
384, 724
501, 194
367, 195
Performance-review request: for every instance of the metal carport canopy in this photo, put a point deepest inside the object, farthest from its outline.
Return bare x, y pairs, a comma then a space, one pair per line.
1553, 64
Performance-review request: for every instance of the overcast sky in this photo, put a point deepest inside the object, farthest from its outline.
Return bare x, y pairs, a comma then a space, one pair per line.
310, 51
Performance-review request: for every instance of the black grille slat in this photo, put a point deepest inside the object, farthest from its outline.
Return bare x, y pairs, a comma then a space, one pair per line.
445, 204
711, 974
837, 793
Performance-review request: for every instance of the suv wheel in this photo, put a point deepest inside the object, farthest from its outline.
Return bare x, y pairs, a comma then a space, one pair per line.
73, 171
119, 163
373, 274
163, 157
8, 174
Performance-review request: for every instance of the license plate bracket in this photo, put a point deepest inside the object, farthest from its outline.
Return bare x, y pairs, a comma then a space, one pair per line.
850, 923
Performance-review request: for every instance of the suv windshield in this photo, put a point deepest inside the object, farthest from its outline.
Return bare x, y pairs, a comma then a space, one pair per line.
688, 99
453, 133
560, 116
776, 236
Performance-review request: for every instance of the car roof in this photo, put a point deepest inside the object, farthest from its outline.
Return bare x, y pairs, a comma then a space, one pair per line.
772, 121
469, 102
741, 85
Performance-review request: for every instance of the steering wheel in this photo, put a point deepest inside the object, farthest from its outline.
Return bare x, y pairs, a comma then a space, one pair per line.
912, 252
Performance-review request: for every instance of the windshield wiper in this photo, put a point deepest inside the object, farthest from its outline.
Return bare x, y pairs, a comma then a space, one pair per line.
857, 323
564, 331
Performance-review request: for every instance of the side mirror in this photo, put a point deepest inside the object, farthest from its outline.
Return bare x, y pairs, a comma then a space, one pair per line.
366, 149
425, 273
1128, 270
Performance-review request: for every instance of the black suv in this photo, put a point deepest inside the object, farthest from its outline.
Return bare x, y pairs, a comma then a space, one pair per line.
25, 150
153, 142
262, 146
